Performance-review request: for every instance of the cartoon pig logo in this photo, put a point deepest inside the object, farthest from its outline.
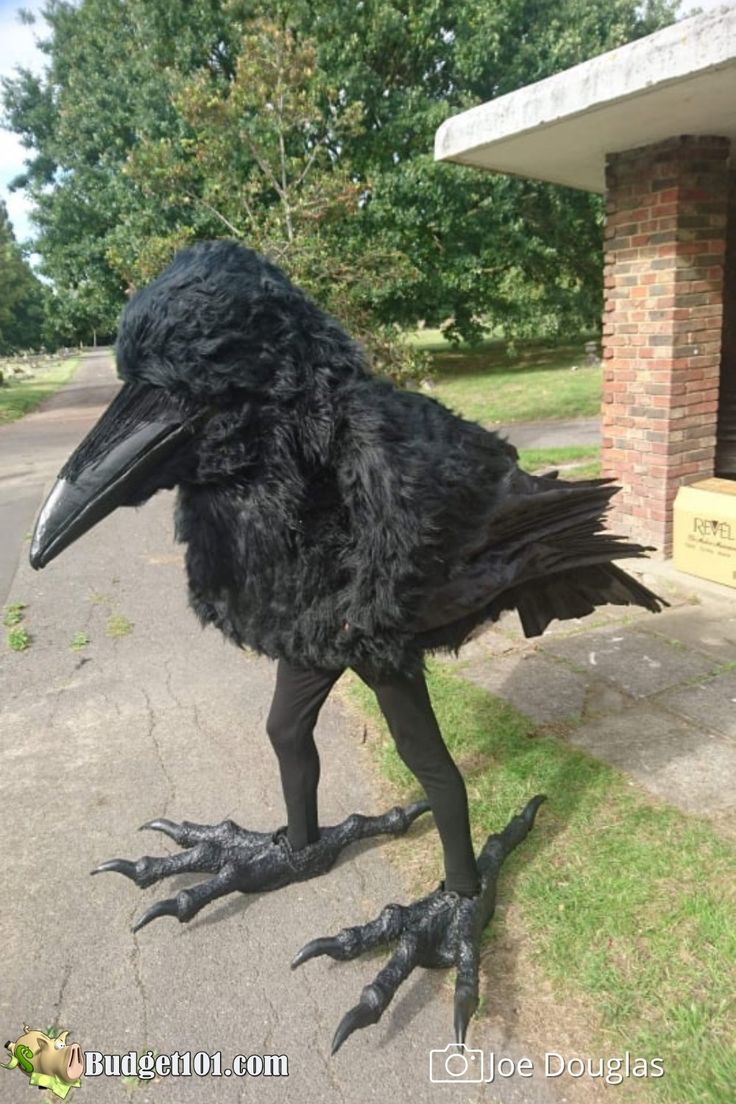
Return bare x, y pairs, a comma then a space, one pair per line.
48, 1063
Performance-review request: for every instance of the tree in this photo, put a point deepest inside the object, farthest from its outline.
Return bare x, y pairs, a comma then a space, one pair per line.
524, 255
258, 158
306, 127
21, 294
105, 87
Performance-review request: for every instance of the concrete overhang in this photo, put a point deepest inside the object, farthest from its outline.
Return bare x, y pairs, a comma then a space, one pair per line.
681, 80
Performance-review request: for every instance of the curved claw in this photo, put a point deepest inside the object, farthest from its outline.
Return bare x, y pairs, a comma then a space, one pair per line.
161, 824
361, 1015
441, 929
118, 866
323, 945
530, 809
466, 1004
161, 908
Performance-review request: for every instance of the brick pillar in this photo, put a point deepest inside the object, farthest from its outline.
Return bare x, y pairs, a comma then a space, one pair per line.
726, 445
665, 243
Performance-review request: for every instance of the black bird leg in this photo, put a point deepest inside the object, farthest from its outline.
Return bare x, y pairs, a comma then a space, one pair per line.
444, 928
253, 862
441, 929
249, 862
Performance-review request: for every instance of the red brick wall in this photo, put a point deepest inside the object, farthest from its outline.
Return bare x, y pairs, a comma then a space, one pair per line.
726, 446
665, 242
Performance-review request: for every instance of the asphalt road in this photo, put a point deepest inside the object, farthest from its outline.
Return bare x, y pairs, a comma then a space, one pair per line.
169, 720
562, 434
33, 449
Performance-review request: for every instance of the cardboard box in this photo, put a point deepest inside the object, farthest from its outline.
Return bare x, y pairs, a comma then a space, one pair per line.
705, 530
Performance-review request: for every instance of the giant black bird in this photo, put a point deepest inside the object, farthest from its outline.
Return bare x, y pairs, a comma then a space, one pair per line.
331, 520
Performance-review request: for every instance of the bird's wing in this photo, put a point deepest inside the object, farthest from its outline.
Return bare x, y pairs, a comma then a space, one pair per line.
420, 485
545, 553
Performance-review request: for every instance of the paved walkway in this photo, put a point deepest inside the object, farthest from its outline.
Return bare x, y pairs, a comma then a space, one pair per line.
33, 449
563, 434
653, 694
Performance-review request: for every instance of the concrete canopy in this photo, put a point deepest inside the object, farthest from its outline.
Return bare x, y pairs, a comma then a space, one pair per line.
681, 80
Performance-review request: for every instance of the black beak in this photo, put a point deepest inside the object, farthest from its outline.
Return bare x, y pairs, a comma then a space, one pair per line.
140, 429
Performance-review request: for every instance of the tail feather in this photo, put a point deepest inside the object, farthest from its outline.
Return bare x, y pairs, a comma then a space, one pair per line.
577, 593
562, 596
547, 555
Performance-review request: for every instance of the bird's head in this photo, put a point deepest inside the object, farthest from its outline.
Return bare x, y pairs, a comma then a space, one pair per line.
220, 333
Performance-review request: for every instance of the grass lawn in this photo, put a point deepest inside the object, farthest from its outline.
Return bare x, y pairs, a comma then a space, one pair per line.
19, 397
618, 909
573, 462
489, 386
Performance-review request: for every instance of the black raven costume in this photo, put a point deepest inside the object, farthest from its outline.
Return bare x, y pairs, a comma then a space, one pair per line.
331, 520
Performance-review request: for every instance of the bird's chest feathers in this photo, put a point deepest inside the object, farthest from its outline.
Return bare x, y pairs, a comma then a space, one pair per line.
266, 539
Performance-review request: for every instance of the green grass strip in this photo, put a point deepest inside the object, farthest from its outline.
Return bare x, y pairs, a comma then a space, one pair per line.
627, 902
494, 388
19, 397
574, 461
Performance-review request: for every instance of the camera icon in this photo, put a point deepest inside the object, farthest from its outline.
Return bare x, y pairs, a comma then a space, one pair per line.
456, 1062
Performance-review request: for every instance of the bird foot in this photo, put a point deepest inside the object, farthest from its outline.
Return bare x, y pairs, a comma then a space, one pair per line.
441, 929
246, 861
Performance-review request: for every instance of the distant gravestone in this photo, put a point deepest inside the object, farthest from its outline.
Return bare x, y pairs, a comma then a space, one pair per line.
592, 356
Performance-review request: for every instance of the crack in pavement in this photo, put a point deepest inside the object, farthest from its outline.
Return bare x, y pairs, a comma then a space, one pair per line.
55, 707
60, 998
167, 684
263, 956
151, 734
356, 870
197, 721
135, 964
320, 1035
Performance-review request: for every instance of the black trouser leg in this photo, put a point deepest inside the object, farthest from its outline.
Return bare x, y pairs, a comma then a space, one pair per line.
299, 696
405, 703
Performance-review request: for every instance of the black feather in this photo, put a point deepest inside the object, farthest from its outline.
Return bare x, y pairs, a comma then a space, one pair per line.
335, 519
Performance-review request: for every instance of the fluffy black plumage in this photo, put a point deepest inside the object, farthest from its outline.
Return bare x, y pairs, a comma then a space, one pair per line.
330, 517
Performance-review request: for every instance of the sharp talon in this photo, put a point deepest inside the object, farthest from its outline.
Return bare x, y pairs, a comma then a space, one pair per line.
161, 824
118, 866
466, 1004
315, 947
161, 908
530, 811
362, 1015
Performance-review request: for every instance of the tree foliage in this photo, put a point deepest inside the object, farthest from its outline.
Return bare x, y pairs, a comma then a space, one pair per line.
21, 294
305, 128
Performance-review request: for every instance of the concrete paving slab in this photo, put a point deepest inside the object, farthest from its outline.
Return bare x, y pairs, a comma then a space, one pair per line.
602, 699
166, 719
595, 671
676, 761
638, 663
710, 704
688, 590
539, 687
709, 627
485, 646
509, 624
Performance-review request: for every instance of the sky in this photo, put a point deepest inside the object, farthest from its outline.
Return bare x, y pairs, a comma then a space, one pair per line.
17, 47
